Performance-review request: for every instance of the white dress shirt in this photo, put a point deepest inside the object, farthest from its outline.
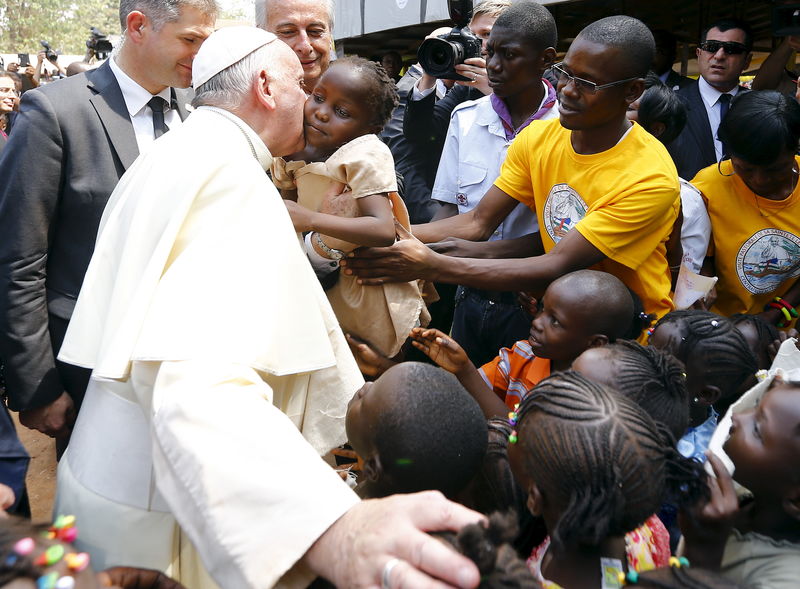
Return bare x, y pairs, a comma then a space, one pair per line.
136, 99
710, 96
473, 153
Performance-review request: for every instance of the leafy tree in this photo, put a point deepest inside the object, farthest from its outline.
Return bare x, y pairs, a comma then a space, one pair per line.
23, 23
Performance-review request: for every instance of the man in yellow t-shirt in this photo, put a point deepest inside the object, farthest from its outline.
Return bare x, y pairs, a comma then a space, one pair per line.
592, 171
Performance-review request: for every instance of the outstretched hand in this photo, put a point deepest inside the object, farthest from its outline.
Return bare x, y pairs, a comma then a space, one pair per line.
408, 259
370, 361
442, 349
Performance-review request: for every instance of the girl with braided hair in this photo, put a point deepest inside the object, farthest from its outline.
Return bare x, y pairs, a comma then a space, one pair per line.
718, 364
596, 467
350, 104
654, 379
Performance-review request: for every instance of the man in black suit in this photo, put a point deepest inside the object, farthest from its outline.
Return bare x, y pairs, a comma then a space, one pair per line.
72, 142
723, 54
666, 52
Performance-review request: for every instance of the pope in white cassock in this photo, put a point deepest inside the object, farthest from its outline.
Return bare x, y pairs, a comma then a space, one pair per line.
220, 374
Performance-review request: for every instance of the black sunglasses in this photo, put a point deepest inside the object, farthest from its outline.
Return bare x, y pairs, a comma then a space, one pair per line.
730, 47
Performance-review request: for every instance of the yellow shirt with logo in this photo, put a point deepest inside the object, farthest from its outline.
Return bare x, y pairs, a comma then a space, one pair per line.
624, 201
755, 241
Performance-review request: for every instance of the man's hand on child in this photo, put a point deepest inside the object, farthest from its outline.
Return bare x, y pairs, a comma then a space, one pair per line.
441, 349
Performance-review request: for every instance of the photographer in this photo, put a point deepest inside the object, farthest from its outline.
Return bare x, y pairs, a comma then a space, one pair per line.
426, 119
47, 54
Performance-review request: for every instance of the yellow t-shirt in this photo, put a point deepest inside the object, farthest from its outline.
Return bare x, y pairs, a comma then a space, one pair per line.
755, 241
624, 201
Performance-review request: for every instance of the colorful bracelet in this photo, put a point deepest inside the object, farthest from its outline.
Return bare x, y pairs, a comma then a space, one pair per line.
513, 417
632, 577
787, 306
787, 315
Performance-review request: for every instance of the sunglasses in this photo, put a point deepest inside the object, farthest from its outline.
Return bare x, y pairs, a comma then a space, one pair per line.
729, 47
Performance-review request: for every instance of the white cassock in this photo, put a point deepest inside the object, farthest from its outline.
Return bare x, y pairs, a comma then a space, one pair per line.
220, 374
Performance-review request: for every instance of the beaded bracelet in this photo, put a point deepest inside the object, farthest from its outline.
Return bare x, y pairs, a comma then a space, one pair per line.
787, 310
513, 417
632, 577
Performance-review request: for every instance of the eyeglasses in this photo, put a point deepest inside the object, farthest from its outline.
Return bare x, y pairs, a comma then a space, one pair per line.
9, 91
585, 86
730, 47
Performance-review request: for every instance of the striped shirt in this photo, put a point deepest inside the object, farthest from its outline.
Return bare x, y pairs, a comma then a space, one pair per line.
515, 372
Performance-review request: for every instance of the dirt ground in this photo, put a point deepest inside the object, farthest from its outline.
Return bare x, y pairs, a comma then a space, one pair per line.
41, 478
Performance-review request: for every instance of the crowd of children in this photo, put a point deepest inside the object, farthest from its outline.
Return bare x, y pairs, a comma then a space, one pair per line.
584, 447
586, 444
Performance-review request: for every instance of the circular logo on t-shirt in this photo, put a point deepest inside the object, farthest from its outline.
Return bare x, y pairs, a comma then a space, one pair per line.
562, 210
768, 258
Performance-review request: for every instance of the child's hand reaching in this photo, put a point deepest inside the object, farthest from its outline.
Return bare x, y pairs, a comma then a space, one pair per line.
370, 361
707, 525
441, 349
301, 216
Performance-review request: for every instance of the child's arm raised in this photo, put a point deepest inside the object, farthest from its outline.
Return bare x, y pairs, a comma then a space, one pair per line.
449, 355
374, 228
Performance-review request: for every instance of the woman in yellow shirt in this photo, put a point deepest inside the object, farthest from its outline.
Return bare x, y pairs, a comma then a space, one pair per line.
753, 202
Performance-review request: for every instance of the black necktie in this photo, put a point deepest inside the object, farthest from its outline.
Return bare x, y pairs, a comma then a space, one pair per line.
156, 104
724, 104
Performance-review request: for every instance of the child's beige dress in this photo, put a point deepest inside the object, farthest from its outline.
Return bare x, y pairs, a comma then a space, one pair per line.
382, 315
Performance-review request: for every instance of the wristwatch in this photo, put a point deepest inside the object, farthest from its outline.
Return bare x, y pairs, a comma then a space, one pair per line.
333, 254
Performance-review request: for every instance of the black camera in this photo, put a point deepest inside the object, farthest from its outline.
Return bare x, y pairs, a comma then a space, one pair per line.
99, 43
786, 20
51, 55
439, 56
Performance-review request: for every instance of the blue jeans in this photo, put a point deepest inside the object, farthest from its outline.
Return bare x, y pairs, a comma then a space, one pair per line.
486, 321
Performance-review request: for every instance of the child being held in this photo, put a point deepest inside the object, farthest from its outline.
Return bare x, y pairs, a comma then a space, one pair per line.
596, 467
718, 364
416, 429
350, 104
580, 310
755, 543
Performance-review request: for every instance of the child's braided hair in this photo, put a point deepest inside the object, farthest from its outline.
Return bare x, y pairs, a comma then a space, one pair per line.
601, 458
655, 380
727, 359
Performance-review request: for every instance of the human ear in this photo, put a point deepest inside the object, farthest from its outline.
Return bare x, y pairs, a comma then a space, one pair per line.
635, 91
535, 501
372, 468
747, 61
709, 395
791, 503
597, 340
134, 23
548, 58
262, 88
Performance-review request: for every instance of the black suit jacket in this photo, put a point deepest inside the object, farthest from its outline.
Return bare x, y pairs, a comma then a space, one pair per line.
676, 81
412, 163
693, 149
72, 141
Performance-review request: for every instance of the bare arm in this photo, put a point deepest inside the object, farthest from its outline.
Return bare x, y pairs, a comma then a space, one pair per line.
526, 246
450, 356
476, 225
409, 259
375, 227
771, 72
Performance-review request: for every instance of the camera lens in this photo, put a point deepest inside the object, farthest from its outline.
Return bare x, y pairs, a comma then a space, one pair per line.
438, 56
